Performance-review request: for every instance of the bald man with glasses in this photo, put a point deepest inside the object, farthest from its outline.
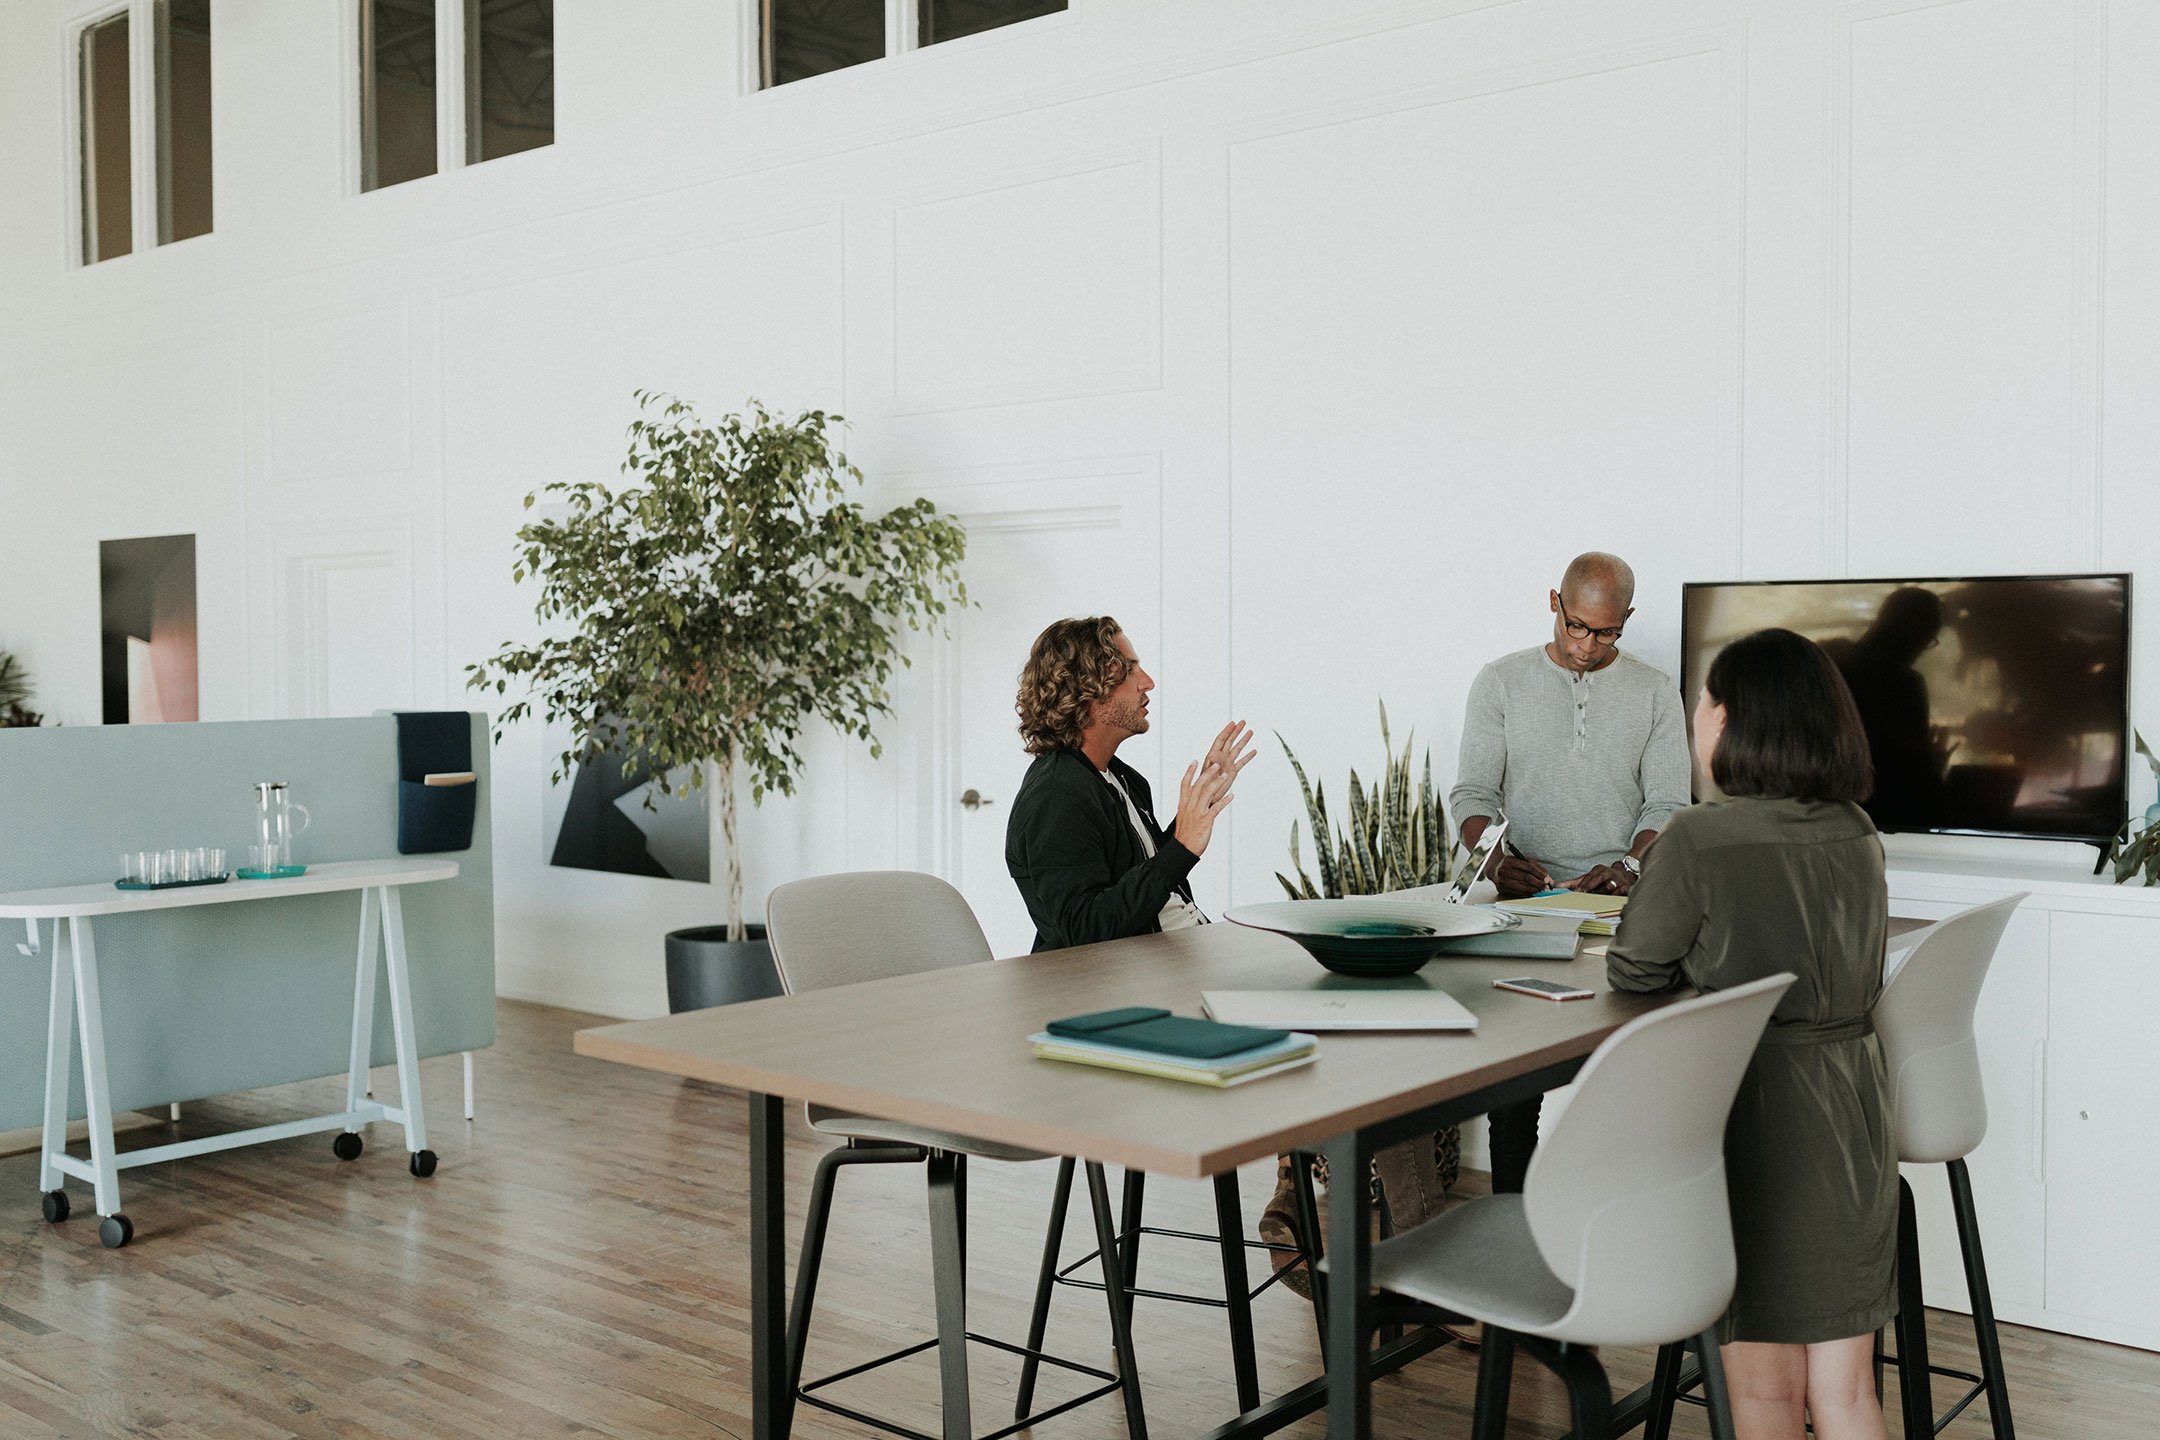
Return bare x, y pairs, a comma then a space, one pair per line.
1584, 750
1582, 747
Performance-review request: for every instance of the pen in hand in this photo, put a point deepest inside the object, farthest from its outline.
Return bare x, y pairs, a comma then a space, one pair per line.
1518, 874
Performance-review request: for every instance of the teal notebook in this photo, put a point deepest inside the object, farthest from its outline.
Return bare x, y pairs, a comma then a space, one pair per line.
1158, 1032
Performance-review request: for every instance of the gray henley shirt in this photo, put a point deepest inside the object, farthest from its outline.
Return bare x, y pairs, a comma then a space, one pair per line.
1577, 763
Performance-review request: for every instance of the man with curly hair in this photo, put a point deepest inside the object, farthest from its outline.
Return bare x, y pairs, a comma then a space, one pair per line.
1083, 843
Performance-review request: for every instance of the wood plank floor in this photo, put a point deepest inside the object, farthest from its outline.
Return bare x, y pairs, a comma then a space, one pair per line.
577, 1267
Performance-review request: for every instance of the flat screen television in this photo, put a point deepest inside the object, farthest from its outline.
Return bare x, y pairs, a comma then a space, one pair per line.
1994, 705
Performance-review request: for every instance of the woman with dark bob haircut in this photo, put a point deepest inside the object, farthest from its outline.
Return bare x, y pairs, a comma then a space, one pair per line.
1785, 873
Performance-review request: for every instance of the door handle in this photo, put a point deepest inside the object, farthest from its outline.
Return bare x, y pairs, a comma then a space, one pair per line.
974, 799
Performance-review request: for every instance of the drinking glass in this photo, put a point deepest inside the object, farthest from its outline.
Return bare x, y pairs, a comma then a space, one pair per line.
179, 864
131, 865
150, 867
209, 861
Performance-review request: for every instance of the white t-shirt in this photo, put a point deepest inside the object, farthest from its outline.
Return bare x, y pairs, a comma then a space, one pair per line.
1178, 913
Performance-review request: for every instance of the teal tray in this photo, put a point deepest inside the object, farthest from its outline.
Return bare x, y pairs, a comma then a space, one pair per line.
169, 884
275, 872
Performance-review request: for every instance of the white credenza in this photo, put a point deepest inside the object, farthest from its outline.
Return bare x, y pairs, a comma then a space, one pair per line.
2067, 1183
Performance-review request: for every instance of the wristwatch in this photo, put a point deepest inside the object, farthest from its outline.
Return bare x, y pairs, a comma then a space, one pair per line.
1630, 864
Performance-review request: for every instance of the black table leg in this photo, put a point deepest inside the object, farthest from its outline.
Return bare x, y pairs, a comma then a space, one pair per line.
1349, 1288
1237, 1290
771, 1403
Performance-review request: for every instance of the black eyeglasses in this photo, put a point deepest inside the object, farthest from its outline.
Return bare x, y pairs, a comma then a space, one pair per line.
1610, 635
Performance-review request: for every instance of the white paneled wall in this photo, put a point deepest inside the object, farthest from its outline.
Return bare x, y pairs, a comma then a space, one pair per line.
1311, 338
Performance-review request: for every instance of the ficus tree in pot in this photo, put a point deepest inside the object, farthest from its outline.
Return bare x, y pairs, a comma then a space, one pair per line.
730, 593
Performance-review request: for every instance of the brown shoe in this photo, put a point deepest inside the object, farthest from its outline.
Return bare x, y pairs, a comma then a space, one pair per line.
1278, 1226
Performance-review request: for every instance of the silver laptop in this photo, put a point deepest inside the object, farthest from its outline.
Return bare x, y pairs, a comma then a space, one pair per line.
1333, 1009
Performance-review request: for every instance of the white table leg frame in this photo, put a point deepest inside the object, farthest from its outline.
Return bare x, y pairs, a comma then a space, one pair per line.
382, 929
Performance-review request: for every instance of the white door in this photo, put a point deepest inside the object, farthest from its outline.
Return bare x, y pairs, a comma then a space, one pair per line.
1047, 543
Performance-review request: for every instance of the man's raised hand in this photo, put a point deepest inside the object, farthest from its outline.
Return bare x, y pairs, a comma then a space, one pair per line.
1205, 790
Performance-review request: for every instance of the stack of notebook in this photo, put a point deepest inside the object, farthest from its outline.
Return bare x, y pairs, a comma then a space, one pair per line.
1600, 926
1577, 904
1175, 1047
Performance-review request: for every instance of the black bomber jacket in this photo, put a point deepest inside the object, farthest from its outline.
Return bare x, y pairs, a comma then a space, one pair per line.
1080, 867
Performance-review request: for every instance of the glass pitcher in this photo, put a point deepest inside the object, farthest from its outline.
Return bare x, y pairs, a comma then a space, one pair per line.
274, 825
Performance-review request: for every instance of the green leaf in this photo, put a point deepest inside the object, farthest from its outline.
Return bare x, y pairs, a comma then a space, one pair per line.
1396, 832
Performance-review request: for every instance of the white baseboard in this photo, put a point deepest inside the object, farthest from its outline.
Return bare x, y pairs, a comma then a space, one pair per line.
572, 987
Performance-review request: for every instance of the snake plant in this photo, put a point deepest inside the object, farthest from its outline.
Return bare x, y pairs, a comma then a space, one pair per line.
1397, 836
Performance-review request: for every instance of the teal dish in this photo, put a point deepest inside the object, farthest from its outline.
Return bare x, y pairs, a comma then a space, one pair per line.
1375, 950
1371, 937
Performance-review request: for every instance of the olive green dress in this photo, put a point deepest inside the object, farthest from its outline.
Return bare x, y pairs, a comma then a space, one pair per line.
1744, 888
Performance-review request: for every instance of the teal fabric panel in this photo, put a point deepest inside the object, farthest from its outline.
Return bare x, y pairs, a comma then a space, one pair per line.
229, 997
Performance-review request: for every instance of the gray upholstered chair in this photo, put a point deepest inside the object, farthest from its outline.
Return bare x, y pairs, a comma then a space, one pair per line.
1925, 1019
847, 929
1621, 1235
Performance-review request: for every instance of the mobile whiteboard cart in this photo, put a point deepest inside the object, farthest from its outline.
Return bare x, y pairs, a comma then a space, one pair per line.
75, 989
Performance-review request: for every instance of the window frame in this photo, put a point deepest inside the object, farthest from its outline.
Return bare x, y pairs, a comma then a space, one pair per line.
145, 199
451, 109
142, 139
903, 37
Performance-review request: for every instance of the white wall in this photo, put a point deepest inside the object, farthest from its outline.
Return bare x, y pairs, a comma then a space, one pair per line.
1343, 323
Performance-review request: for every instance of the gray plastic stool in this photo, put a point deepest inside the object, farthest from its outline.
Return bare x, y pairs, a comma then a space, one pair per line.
1925, 1019
845, 929
1621, 1235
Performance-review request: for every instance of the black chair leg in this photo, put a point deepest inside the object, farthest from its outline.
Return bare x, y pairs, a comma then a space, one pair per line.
1120, 1304
1983, 1302
1389, 1331
1589, 1392
1714, 1387
1237, 1289
1915, 1393
1309, 1237
1495, 1373
1878, 1367
1664, 1391
1130, 1208
947, 1266
1045, 1282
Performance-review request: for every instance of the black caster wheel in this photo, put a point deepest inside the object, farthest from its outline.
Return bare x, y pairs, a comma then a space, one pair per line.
55, 1205
346, 1146
423, 1164
115, 1231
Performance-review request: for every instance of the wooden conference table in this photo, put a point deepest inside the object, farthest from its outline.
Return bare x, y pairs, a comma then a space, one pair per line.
948, 1049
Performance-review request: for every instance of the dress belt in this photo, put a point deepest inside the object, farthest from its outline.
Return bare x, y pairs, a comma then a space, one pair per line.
1827, 1032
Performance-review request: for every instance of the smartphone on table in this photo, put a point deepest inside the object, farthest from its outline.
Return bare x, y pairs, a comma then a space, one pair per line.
1543, 989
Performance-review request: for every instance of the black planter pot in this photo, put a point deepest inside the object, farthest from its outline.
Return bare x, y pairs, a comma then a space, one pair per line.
705, 968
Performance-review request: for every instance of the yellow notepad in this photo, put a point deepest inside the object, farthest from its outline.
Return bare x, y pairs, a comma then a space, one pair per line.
1167, 1070
1567, 902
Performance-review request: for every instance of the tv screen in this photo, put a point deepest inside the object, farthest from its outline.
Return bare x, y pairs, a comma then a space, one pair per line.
1994, 705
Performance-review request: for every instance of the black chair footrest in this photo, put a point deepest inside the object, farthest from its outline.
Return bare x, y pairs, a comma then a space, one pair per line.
1068, 1275
1110, 1386
1977, 1384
